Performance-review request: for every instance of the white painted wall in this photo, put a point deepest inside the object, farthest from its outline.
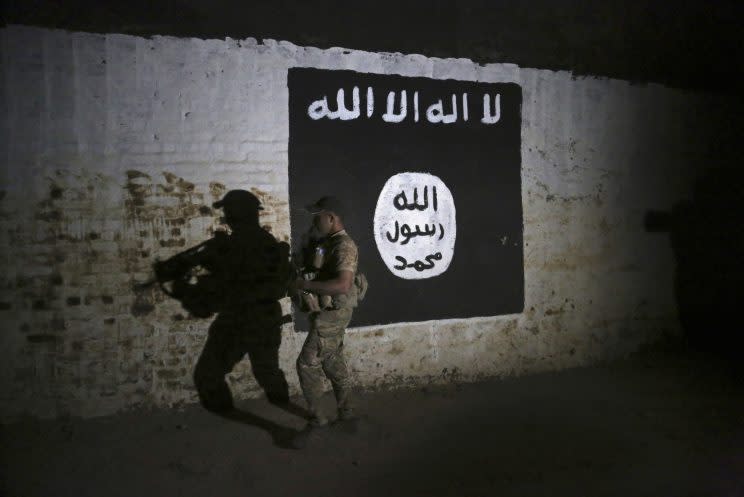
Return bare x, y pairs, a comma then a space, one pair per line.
113, 146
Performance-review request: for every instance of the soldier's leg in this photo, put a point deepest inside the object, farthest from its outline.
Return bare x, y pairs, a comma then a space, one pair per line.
310, 372
264, 359
263, 338
335, 368
331, 328
221, 352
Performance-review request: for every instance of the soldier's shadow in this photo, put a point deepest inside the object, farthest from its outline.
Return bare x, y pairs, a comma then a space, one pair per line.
240, 277
707, 239
254, 332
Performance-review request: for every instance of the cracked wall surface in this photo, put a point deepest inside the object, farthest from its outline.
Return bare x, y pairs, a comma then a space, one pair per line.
114, 148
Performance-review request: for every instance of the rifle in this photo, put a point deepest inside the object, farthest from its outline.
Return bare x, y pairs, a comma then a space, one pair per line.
174, 268
177, 278
305, 264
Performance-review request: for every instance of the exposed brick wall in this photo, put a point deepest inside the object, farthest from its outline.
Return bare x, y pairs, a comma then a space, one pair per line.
115, 147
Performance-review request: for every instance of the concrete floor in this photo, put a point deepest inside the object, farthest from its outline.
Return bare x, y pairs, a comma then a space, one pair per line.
657, 424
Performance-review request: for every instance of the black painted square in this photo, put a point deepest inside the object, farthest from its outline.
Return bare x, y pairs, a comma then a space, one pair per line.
480, 163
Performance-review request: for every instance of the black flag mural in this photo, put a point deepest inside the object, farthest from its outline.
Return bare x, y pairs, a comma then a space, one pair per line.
431, 173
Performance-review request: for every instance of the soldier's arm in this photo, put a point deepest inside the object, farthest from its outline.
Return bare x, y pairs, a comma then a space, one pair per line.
180, 264
339, 285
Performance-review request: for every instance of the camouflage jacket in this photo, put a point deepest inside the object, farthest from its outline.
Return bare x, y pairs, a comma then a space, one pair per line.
341, 254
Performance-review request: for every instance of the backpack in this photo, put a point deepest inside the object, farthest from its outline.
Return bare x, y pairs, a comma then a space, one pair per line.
355, 295
361, 284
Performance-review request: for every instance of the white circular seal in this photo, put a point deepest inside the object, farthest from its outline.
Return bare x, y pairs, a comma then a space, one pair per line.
414, 225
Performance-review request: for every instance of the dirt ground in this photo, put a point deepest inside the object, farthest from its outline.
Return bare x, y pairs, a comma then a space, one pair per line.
657, 424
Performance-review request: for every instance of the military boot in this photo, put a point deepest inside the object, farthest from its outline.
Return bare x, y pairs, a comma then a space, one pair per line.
317, 419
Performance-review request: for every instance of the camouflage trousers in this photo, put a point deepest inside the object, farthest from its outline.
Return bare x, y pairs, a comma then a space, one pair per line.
323, 353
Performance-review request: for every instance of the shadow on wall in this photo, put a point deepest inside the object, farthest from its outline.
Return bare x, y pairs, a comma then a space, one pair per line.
240, 277
707, 237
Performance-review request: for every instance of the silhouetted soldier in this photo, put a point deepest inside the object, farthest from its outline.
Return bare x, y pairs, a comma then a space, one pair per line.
707, 238
247, 274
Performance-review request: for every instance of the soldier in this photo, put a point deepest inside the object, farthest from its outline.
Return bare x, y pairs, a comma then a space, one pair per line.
323, 348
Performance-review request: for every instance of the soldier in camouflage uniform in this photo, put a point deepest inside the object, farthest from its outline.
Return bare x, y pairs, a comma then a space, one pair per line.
323, 348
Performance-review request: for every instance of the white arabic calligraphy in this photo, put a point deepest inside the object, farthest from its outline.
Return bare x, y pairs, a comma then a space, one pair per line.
319, 108
390, 116
437, 112
489, 118
370, 101
414, 225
